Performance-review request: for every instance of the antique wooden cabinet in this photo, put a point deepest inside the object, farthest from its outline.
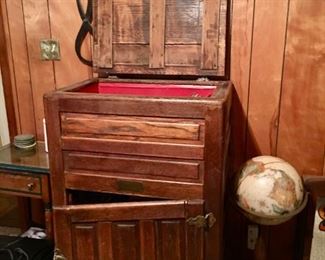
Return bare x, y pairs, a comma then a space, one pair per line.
137, 155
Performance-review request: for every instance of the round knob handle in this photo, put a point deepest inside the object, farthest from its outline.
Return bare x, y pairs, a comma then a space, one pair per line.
31, 186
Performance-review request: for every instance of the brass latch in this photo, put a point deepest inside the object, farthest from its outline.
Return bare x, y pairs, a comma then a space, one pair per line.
200, 221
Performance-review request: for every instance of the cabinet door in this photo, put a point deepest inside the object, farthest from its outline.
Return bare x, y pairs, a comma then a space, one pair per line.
127, 231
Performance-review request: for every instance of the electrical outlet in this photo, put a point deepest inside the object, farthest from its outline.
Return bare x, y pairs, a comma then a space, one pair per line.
252, 236
50, 49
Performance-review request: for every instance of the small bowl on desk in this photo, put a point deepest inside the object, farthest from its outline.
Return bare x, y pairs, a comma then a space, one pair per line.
25, 142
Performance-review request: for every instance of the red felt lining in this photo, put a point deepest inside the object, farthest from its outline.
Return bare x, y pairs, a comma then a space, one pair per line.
148, 90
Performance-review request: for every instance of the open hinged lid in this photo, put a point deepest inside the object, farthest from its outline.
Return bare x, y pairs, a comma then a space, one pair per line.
160, 37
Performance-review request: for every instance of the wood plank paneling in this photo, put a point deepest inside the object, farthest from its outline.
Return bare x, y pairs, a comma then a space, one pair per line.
59, 17
302, 125
266, 74
37, 27
7, 76
21, 69
241, 48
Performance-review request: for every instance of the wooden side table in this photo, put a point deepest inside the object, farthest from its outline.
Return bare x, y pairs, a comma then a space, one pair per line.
26, 173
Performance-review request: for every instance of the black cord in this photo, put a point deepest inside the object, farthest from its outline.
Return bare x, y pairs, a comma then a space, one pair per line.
22, 254
86, 27
8, 251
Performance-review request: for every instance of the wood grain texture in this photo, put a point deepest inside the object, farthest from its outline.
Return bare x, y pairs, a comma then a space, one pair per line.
21, 183
223, 43
104, 238
299, 102
210, 34
147, 239
85, 242
74, 124
131, 231
157, 34
37, 26
59, 18
241, 47
21, 68
134, 166
266, 74
171, 240
7, 76
302, 125
184, 22
195, 248
131, 22
62, 227
126, 241
150, 188
103, 48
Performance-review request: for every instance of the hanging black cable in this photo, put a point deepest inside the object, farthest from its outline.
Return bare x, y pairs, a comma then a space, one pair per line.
86, 27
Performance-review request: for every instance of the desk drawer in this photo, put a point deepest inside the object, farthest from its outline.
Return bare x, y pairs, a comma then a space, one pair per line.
146, 176
149, 136
24, 183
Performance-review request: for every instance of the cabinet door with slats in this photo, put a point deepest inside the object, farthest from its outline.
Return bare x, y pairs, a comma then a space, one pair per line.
130, 231
160, 37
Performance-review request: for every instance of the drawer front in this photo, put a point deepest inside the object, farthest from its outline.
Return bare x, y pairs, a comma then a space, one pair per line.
133, 174
20, 183
135, 166
180, 138
91, 181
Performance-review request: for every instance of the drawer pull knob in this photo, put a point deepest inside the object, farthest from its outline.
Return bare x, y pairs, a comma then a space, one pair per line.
31, 186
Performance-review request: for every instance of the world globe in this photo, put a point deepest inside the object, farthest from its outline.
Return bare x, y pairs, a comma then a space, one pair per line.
269, 191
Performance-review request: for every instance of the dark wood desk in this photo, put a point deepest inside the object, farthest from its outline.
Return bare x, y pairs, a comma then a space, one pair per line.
26, 173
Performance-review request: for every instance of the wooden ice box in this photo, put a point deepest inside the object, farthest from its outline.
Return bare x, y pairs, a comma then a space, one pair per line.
137, 154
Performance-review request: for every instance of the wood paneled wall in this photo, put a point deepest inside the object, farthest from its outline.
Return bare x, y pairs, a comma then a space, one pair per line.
278, 69
277, 66
26, 22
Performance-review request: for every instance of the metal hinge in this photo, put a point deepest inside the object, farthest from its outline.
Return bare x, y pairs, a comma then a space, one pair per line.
58, 255
200, 221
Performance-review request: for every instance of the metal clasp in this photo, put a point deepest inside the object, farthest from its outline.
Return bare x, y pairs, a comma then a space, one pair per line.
200, 221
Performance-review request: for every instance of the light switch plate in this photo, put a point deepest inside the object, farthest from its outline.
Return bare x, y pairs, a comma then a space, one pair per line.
50, 49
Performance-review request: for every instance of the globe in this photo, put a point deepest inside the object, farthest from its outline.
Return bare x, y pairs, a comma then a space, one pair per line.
269, 191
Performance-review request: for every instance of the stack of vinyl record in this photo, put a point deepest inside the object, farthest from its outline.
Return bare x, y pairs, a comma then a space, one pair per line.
26, 141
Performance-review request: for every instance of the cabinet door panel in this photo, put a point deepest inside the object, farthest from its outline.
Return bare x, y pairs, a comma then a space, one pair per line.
85, 236
171, 239
148, 234
125, 240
